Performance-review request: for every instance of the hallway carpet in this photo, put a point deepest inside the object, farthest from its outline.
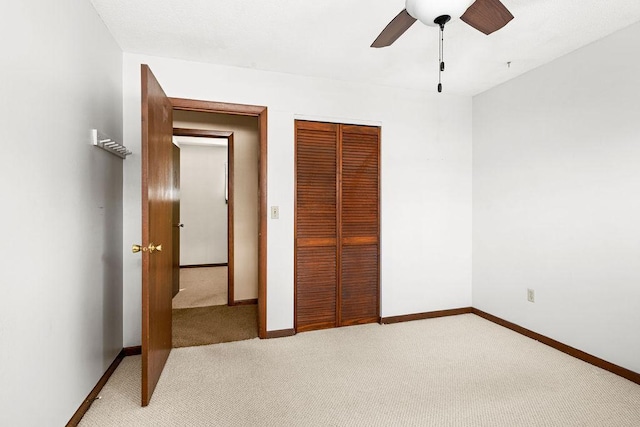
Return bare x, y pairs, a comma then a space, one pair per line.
215, 324
201, 287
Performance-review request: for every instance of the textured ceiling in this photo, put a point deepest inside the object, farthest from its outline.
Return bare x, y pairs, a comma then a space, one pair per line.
331, 38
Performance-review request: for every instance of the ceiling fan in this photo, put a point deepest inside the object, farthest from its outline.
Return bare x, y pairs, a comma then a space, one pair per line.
486, 16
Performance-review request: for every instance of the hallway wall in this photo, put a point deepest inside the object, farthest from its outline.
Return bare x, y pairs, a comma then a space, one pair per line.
203, 208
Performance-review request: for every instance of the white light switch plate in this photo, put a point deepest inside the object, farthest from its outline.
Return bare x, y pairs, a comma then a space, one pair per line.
275, 212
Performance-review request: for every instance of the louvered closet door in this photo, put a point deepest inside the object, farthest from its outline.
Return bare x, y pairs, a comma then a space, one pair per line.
316, 225
337, 225
360, 204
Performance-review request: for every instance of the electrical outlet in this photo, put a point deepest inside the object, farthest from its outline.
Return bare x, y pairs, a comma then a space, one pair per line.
531, 295
275, 212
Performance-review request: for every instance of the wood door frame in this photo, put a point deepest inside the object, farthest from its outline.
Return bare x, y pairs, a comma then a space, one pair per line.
260, 112
228, 135
175, 232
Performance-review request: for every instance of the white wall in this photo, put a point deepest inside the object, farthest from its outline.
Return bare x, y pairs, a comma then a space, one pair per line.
556, 206
203, 208
426, 179
61, 252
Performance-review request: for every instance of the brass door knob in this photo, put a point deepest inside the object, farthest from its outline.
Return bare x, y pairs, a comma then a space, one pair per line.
153, 248
137, 248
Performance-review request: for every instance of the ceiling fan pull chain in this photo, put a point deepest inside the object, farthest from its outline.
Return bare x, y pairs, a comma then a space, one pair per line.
441, 49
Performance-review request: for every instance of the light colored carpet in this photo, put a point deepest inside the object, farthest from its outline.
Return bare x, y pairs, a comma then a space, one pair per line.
215, 324
201, 287
454, 371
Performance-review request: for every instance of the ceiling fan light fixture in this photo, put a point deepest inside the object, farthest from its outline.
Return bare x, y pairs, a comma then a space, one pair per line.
426, 11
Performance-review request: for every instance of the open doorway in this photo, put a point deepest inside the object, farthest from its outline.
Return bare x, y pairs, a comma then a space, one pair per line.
205, 310
205, 247
218, 228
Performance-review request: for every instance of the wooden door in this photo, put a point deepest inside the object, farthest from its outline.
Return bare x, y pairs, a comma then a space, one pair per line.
175, 221
337, 225
316, 266
359, 218
157, 126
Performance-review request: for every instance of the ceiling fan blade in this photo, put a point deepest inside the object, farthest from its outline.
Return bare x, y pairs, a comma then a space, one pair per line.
395, 29
487, 16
